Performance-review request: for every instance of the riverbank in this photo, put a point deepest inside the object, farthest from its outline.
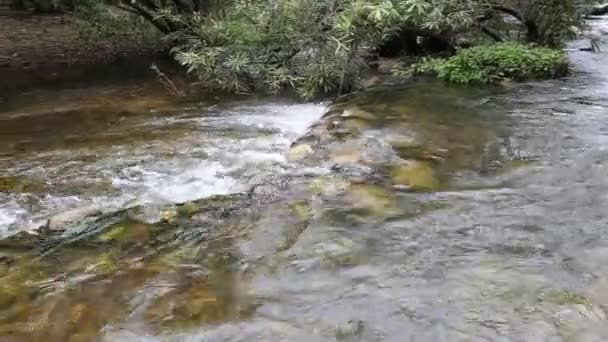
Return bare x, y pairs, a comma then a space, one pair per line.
46, 44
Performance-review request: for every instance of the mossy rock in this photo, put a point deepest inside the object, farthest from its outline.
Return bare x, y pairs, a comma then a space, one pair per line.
8, 295
301, 209
564, 297
358, 113
184, 254
125, 232
329, 186
355, 124
104, 264
22, 240
199, 304
348, 155
188, 209
409, 151
417, 176
21, 184
374, 198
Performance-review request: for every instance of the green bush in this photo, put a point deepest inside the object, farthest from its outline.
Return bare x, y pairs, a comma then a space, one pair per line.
492, 63
309, 47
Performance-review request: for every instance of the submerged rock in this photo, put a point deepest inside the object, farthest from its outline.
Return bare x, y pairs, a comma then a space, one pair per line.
21, 184
126, 232
64, 220
417, 176
374, 198
21, 240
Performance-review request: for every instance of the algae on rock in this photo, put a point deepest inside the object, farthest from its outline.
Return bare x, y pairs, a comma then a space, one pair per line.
417, 176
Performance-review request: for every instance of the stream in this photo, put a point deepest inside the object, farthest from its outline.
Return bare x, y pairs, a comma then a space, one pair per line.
417, 212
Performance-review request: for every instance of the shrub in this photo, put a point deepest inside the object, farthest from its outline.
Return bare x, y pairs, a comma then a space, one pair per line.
492, 63
307, 46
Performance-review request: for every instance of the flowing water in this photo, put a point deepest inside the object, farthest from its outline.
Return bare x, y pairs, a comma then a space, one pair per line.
414, 213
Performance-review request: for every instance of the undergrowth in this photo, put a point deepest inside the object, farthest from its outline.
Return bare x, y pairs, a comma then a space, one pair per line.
491, 64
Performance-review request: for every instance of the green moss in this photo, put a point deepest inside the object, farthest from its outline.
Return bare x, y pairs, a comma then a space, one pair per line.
124, 232
329, 186
188, 209
21, 184
418, 176
301, 209
105, 263
564, 297
8, 295
374, 198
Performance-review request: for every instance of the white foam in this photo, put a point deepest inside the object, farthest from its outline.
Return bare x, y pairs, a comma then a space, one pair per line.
173, 185
10, 216
291, 120
221, 155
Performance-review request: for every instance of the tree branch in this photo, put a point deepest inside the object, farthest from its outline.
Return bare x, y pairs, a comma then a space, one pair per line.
510, 11
134, 8
491, 33
127, 9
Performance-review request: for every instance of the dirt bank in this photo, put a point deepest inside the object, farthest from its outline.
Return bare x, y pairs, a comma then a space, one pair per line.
47, 43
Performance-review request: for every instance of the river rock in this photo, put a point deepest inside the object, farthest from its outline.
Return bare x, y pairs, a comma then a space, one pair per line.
21, 240
299, 152
67, 218
418, 176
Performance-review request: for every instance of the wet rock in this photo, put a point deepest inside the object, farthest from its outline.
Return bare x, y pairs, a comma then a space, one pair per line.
329, 186
68, 218
371, 82
374, 198
299, 152
8, 295
351, 127
188, 209
409, 151
563, 297
103, 264
21, 240
539, 332
148, 213
348, 155
358, 113
126, 232
200, 303
301, 209
340, 253
598, 291
21, 184
418, 176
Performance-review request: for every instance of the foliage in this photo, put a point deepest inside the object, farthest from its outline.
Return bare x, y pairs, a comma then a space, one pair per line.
312, 46
96, 21
321, 46
492, 63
